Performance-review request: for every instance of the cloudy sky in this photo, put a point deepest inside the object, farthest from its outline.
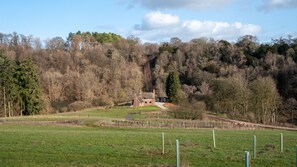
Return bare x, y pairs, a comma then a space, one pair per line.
152, 20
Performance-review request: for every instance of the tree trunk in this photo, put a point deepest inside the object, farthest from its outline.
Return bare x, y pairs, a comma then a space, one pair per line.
292, 116
49, 88
9, 111
4, 101
21, 108
11, 108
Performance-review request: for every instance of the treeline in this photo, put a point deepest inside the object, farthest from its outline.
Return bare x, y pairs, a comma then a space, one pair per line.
246, 79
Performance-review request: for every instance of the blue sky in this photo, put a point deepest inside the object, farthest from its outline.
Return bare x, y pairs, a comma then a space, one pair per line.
152, 20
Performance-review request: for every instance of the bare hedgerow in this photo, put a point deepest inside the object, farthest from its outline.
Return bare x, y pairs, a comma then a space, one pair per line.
189, 110
79, 105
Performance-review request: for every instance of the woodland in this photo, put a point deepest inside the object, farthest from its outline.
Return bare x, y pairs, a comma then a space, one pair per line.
245, 80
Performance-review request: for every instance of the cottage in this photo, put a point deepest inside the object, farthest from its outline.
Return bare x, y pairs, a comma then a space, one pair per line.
144, 99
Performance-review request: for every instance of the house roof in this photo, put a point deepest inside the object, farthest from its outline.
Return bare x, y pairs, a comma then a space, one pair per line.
140, 99
148, 95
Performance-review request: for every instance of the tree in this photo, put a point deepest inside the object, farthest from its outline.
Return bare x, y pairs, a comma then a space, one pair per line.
56, 43
231, 96
20, 86
289, 109
8, 84
29, 87
173, 87
265, 99
225, 51
287, 82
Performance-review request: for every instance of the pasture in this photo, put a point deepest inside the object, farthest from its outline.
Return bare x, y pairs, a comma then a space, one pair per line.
36, 141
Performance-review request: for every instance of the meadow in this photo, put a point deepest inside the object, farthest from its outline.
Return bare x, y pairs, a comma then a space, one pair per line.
26, 141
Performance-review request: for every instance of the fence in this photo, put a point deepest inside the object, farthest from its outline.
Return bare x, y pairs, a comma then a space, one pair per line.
216, 122
248, 160
172, 124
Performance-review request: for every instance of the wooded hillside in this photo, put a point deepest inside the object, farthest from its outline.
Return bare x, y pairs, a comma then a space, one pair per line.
246, 79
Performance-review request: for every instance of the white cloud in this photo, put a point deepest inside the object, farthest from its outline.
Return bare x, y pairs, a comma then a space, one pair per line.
177, 4
163, 28
277, 4
157, 20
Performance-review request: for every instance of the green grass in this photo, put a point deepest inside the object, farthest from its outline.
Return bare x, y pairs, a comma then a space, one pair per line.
52, 145
119, 112
97, 114
25, 144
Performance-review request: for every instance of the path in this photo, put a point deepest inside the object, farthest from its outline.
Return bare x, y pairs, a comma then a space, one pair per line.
161, 105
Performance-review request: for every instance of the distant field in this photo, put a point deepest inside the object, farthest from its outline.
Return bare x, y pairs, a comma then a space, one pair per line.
58, 145
119, 113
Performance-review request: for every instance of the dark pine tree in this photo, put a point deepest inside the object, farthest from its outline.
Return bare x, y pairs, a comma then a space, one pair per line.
8, 86
172, 87
29, 87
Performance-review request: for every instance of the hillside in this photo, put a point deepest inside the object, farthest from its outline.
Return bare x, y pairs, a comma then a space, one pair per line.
245, 80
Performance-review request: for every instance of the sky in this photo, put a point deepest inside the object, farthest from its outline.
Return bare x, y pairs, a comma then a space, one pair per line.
152, 20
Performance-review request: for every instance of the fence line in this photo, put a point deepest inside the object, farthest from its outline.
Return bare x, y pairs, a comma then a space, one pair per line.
190, 124
256, 125
172, 124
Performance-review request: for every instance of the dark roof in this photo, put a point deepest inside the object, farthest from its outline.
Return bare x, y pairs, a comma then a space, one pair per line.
148, 95
139, 99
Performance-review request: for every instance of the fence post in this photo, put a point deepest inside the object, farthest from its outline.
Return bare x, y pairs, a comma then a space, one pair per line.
214, 138
246, 159
255, 146
281, 142
163, 148
177, 153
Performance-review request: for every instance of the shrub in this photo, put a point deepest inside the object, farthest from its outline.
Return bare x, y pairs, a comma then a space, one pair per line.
47, 108
63, 109
79, 105
103, 101
189, 110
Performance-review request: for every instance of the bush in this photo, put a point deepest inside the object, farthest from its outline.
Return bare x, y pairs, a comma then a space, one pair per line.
79, 105
47, 108
189, 110
63, 109
103, 101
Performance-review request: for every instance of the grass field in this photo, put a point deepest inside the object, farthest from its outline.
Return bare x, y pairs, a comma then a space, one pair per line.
77, 145
95, 114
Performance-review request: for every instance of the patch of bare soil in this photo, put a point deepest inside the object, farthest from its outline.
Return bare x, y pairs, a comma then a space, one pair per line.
170, 106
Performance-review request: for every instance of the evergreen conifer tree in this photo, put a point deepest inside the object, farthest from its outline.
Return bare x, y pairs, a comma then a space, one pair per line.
172, 87
29, 87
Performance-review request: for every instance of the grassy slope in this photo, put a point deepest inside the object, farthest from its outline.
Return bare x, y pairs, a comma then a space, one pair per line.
53, 145
113, 113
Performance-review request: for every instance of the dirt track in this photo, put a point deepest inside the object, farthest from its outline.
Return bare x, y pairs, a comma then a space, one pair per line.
161, 105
